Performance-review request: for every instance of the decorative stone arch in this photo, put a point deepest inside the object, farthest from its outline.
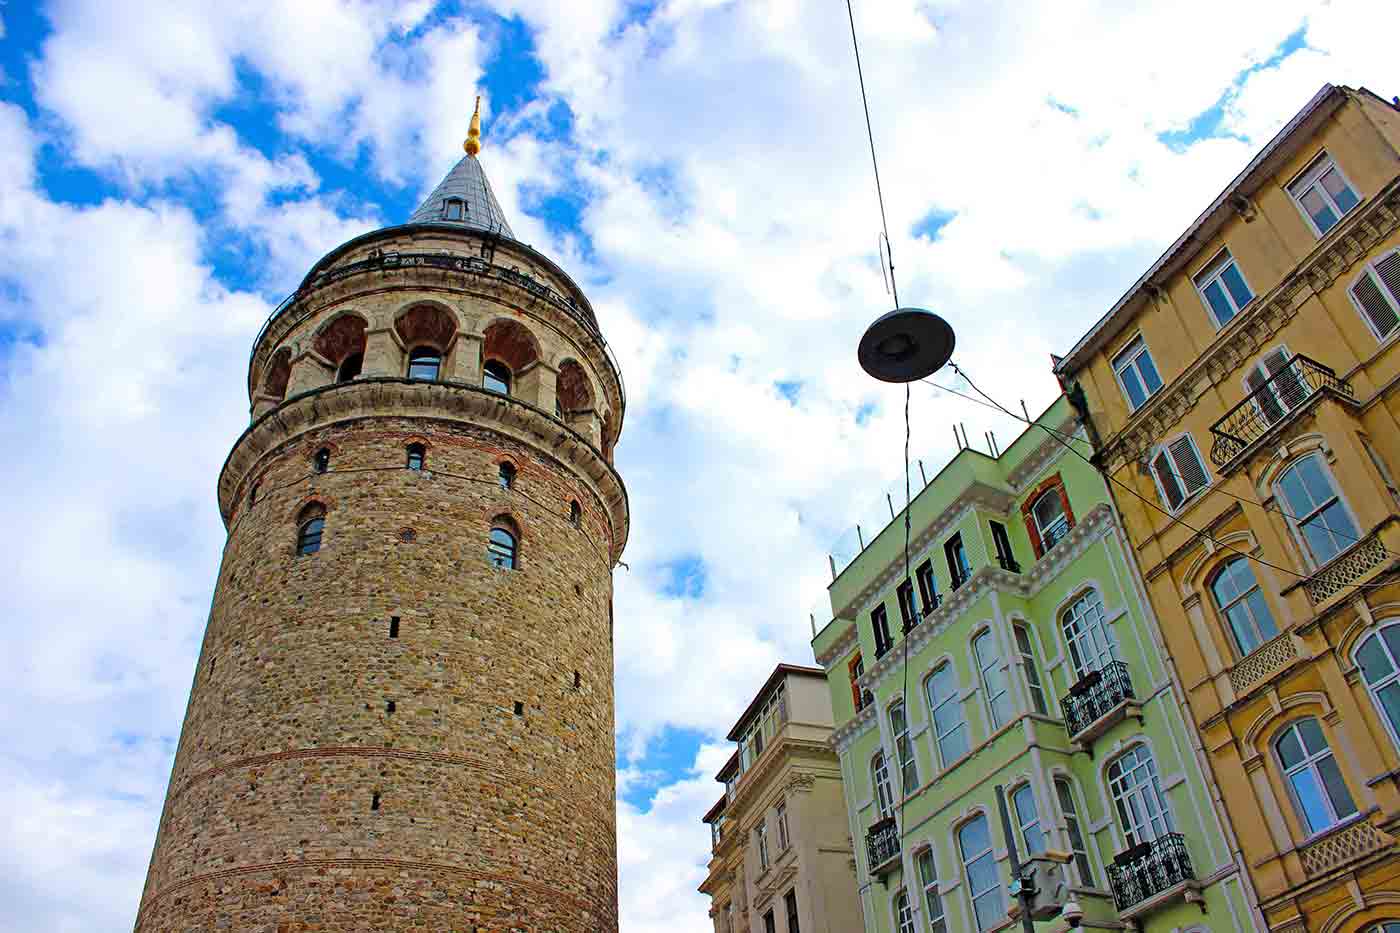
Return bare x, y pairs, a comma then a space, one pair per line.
1213, 556
341, 340
308, 505
511, 342
955, 827
1258, 737
1380, 907
1284, 456
278, 374
426, 323
575, 388
1361, 627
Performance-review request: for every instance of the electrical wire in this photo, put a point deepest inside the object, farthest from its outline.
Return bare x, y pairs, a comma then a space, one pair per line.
875, 163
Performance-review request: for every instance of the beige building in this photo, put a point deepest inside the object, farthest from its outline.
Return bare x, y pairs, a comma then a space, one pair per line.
782, 857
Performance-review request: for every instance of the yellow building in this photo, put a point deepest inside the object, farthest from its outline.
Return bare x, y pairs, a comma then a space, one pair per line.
1246, 394
782, 860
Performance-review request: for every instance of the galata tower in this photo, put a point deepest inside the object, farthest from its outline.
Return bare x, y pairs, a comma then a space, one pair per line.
402, 717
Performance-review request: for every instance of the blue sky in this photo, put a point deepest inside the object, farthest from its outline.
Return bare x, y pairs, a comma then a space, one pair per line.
700, 168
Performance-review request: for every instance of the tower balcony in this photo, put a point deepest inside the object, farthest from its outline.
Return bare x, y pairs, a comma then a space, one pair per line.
1098, 702
1277, 401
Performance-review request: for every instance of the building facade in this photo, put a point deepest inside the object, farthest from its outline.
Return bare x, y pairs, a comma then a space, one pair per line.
1245, 396
781, 859
402, 716
1018, 652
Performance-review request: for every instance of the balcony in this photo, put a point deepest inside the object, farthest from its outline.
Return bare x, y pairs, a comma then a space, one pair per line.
1271, 404
1353, 564
882, 846
1150, 874
1100, 701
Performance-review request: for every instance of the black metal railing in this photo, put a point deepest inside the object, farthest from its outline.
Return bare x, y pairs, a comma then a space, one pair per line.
1149, 868
882, 842
1095, 695
929, 606
1283, 392
1054, 535
1008, 562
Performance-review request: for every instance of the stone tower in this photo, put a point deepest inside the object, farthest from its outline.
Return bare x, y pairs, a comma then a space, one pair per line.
402, 717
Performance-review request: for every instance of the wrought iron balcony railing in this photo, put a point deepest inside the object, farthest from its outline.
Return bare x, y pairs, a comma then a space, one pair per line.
1297, 381
882, 843
1148, 869
1095, 696
1008, 563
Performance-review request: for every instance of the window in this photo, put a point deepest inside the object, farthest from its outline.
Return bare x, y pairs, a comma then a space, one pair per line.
928, 587
958, 567
1179, 471
1378, 656
1137, 795
1316, 513
790, 908
1242, 604
417, 455
994, 685
453, 209
1090, 642
949, 726
1223, 289
903, 912
350, 367
500, 549
575, 513
1023, 645
980, 868
1065, 795
855, 668
880, 623
1381, 468
769, 925
1028, 820
904, 748
495, 377
763, 727
1005, 558
321, 462
309, 528
1050, 519
424, 363
1276, 385
1376, 292
907, 611
1323, 194
1137, 374
760, 840
1314, 780
880, 784
783, 840
505, 475
933, 904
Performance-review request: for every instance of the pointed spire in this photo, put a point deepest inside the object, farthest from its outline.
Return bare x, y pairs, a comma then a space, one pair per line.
473, 143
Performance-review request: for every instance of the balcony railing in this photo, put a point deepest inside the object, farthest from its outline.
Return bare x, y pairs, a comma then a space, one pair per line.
1271, 403
1095, 696
882, 843
1346, 568
1008, 563
1148, 869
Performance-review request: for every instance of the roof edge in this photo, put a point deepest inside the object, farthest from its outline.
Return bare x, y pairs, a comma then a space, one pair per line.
779, 672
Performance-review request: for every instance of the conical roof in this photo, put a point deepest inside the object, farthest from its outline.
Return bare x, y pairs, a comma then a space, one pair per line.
464, 198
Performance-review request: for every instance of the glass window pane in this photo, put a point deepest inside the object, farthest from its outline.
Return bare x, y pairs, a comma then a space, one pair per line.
974, 836
1259, 609
1219, 304
982, 874
990, 910
1133, 386
1310, 800
1149, 372
1235, 283
1336, 787
1389, 697
1299, 502
1340, 191
1323, 545
1243, 628
1391, 634
1337, 520
954, 745
1373, 660
1319, 489
1323, 215
1290, 751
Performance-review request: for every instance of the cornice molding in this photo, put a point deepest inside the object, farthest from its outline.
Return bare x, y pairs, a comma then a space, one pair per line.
855, 727
837, 649
1043, 456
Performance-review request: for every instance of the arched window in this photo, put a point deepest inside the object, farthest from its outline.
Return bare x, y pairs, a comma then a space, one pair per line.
1027, 652
310, 525
350, 367
495, 377
994, 686
575, 513
424, 363
1028, 820
1142, 808
1064, 795
903, 912
1242, 604
1389, 926
949, 726
933, 902
1050, 518
321, 462
1317, 515
417, 456
904, 748
980, 869
1090, 642
1314, 780
1378, 656
506, 475
500, 548
880, 785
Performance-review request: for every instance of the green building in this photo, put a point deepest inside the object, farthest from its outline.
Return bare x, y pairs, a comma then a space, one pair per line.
1033, 664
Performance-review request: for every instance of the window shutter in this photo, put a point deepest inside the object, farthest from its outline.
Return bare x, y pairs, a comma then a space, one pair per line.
1378, 299
1165, 476
1188, 464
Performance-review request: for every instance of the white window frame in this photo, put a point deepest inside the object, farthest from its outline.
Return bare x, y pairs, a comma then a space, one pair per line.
1187, 497
1309, 764
996, 686
903, 911
1373, 689
760, 834
882, 790
1310, 178
928, 881
955, 698
1242, 600
1368, 270
1102, 651
1138, 799
1059, 527
1085, 869
784, 838
903, 747
1131, 361
1214, 271
1296, 521
970, 859
1028, 827
1039, 703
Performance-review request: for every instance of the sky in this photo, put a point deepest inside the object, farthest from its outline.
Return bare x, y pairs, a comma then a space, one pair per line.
170, 169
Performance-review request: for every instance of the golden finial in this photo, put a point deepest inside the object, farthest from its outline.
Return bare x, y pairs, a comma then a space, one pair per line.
473, 143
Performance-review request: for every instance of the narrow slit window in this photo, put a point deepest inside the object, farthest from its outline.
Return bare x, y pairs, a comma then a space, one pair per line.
575, 513
390, 706
374, 801
393, 626
500, 549
322, 461
417, 454
519, 708
506, 475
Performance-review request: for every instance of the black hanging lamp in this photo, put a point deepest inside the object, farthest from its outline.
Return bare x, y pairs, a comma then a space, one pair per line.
905, 345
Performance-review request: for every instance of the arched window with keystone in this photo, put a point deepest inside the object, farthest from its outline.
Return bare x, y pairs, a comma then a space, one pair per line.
502, 547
